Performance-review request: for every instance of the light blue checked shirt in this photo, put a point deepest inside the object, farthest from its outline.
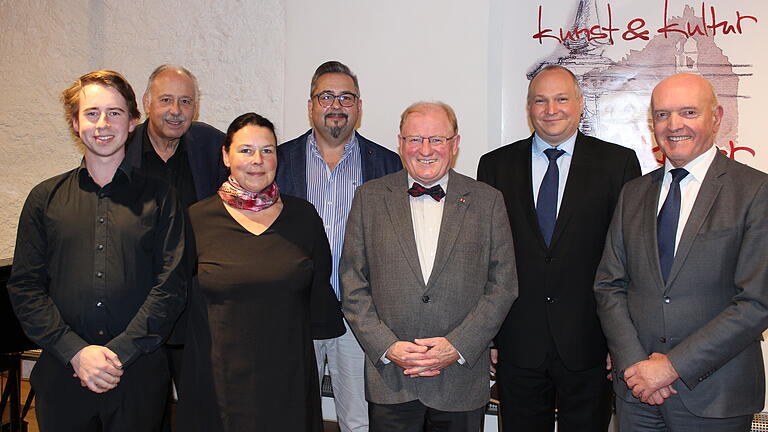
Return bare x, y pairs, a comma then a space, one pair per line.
331, 193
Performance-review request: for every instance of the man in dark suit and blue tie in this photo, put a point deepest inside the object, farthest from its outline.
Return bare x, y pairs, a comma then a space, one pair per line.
682, 289
560, 188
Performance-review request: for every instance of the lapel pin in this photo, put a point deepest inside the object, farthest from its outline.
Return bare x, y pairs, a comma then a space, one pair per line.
461, 200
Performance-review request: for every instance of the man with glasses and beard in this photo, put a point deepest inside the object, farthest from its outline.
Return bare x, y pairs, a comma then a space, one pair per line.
325, 166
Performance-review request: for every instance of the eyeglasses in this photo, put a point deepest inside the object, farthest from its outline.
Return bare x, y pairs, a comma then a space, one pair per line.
326, 99
416, 140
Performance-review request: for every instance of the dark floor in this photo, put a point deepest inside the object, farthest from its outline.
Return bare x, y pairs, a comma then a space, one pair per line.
328, 426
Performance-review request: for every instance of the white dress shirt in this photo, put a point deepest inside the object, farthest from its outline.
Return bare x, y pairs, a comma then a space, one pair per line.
689, 187
427, 215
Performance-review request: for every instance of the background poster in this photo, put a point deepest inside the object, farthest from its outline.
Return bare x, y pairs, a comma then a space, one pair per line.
621, 49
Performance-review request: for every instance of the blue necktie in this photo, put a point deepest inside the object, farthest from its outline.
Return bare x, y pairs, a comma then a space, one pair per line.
666, 222
546, 202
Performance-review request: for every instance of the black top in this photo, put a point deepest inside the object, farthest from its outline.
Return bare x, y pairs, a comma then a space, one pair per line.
99, 265
175, 171
255, 306
202, 143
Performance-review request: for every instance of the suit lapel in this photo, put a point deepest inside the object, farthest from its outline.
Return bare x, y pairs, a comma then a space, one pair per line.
298, 164
457, 200
368, 158
650, 204
196, 165
578, 174
708, 192
399, 209
522, 178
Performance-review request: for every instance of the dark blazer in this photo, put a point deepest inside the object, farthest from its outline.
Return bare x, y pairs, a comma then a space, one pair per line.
292, 163
203, 143
709, 315
386, 298
556, 301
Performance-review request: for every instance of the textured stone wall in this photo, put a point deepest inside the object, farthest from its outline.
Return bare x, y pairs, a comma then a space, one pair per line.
236, 49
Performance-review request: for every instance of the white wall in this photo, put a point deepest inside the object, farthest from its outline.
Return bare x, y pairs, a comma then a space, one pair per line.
402, 51
236, 49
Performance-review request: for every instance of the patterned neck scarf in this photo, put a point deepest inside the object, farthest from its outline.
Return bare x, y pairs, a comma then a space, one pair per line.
235, 196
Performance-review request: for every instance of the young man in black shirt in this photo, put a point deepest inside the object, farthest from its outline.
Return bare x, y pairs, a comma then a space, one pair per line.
97, 279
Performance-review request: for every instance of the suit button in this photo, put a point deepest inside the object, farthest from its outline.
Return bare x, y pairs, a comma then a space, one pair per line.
548, 259
663, 339
667, 299
550, 300
425, 298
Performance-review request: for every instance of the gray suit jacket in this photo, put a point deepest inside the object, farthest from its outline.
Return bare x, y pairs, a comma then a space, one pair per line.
471, 288
709, 316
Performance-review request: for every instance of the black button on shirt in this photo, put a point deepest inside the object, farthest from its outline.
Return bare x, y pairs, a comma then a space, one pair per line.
99, 265
175, 170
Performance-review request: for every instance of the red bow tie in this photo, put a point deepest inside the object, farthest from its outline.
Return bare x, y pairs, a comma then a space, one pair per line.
435, 191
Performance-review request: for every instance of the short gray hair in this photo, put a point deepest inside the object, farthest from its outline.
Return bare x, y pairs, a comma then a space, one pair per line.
332, 66
184, 71
421, 107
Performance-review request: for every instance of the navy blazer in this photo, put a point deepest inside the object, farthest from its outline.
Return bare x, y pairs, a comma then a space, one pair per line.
203, 143
292, 163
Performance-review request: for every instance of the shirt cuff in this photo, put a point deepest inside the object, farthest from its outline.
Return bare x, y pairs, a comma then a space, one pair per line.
385, 360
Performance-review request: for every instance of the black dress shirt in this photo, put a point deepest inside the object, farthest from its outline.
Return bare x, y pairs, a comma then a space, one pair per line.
99, 265
175, 171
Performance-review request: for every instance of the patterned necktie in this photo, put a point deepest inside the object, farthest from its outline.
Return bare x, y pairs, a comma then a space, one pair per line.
435, 191
666, 222
546, 202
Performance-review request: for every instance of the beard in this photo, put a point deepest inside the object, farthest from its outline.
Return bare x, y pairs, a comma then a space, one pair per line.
336, 131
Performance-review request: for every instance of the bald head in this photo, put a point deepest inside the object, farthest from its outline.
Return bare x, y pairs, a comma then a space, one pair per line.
686, 117
688, 82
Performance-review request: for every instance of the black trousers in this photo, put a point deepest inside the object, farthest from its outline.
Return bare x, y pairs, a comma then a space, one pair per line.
414, 416
529, 397
175, 355
136, 404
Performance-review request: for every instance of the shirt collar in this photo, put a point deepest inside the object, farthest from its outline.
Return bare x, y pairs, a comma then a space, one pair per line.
698, 167
443, 182
124, 169
539, 145
348, 146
